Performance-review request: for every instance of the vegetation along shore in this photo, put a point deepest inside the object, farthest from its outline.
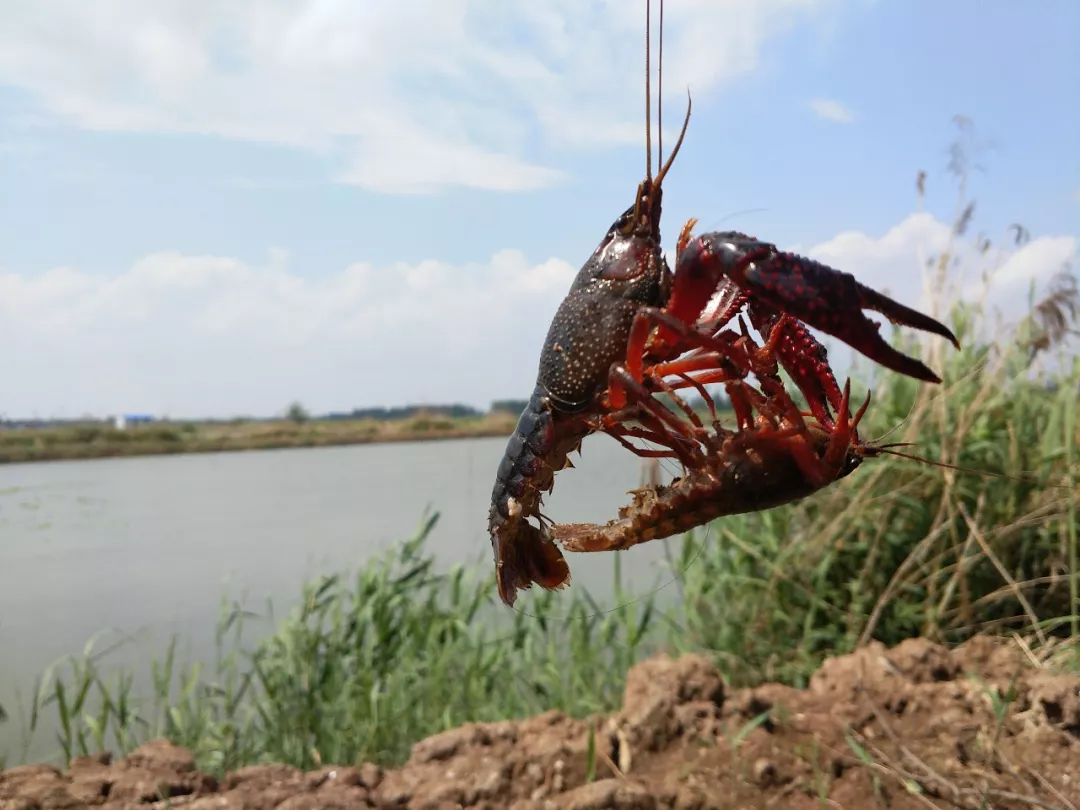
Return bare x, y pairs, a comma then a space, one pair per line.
104, 440
86, 439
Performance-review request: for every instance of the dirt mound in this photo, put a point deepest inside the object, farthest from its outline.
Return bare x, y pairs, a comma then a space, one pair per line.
902, 728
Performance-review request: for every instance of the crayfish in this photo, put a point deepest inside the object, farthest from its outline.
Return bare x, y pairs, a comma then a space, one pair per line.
628, 323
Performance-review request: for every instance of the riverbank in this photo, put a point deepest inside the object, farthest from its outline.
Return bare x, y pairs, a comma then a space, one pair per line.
161, 438
372, 662
876, 728
90, 441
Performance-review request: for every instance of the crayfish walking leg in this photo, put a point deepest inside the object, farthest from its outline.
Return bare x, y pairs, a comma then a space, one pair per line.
772, 459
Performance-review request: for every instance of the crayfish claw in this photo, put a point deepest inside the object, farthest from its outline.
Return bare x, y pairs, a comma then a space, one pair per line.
904, 316
833, 301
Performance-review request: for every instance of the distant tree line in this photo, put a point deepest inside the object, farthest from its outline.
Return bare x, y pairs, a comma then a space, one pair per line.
511, 406
455, 410
298, 413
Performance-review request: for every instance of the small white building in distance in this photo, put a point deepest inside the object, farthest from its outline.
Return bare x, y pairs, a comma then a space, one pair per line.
123, 420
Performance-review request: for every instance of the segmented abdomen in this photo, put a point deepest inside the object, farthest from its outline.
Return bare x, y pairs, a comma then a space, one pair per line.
732, 487
536, 450
523, 461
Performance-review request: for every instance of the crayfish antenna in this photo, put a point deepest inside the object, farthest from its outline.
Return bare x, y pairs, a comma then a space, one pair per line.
682, 134
660, 93
886, 449
648, 86
662, 166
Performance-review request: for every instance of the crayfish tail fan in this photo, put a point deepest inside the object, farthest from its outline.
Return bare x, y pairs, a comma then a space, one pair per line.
529, 558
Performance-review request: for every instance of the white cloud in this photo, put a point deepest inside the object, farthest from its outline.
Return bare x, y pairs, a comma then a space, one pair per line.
200, 335
210, 335
411, 96
831, 110
432, 164
898, 261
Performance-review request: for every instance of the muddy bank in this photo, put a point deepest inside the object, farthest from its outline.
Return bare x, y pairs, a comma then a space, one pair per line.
901, 728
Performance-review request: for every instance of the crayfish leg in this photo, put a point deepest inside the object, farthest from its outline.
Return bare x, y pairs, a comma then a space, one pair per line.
802, 356
684, 437
845, 433
833, 301
620, 432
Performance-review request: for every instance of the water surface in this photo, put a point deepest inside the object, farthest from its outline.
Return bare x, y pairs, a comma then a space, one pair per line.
145, 545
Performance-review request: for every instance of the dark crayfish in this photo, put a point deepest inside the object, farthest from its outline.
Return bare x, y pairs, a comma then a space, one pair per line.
589, 333
628, 323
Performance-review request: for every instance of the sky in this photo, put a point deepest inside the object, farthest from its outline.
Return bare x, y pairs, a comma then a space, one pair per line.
215, 208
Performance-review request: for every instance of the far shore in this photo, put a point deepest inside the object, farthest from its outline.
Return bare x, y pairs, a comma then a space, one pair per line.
95, 440
168, 438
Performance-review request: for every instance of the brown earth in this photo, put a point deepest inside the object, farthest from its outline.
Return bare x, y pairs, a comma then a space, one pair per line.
900, 728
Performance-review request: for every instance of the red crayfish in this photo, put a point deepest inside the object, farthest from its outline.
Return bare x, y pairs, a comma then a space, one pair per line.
628, 323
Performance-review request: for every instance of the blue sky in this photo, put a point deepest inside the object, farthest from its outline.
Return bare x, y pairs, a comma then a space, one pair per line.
215, 208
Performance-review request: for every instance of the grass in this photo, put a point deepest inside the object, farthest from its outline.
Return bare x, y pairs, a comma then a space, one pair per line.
366, 665
96, 441
370, 662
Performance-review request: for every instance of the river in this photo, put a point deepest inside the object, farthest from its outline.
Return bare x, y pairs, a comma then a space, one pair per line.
145, 546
